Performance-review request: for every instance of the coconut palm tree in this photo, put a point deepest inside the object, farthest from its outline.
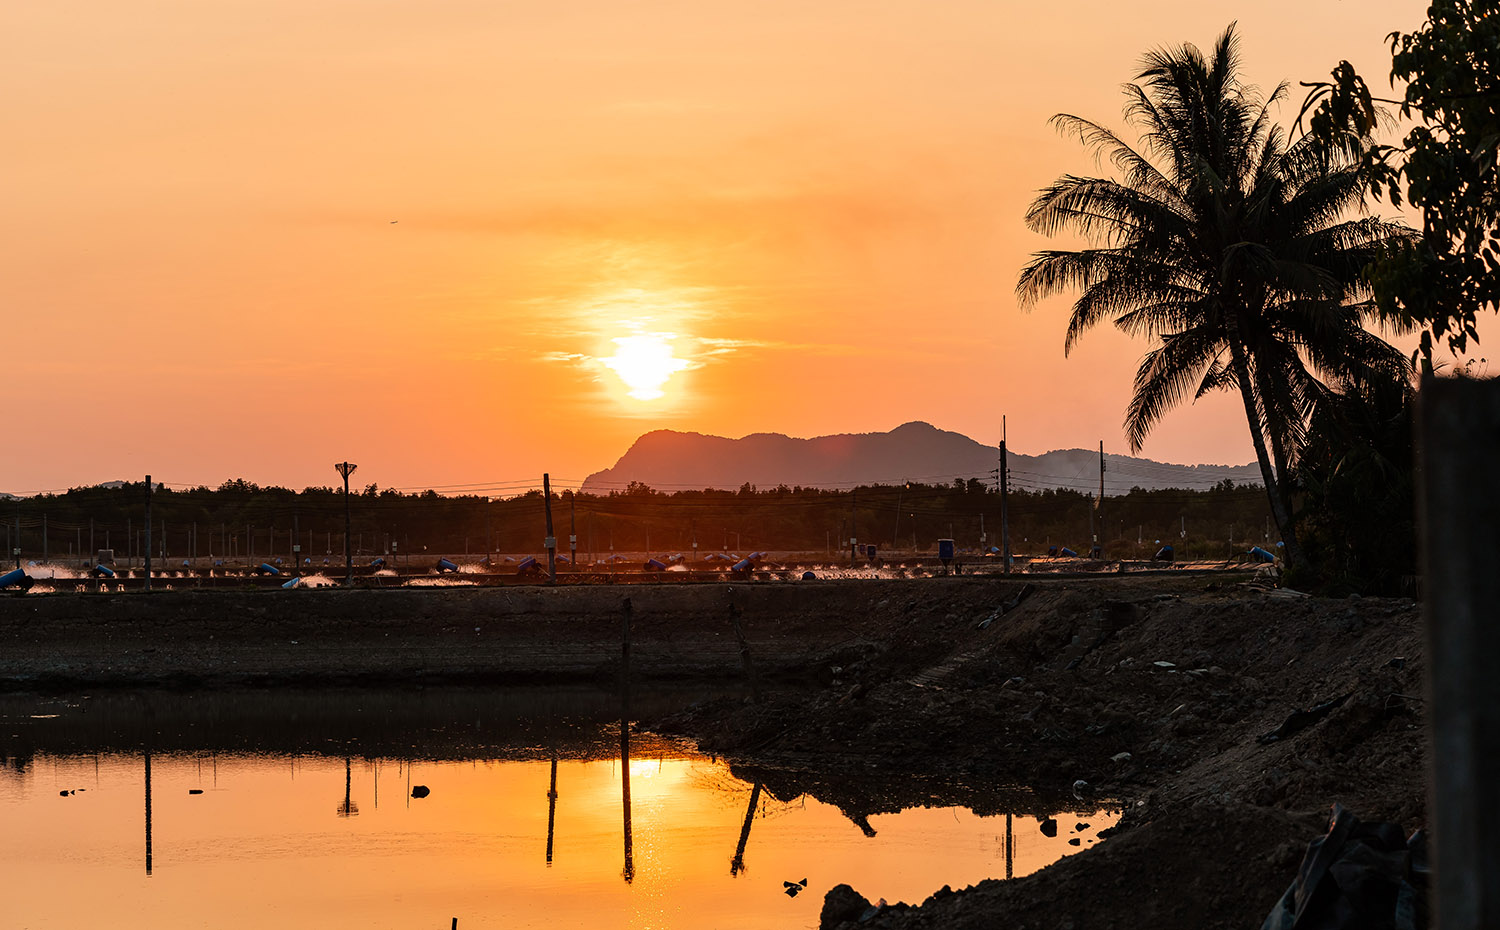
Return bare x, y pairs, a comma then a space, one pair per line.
1229, 245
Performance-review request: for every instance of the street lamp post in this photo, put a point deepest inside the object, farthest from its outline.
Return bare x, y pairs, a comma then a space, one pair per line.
346, 469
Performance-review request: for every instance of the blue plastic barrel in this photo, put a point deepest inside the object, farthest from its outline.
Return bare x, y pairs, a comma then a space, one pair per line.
1067, 553
527, 565
809, 576
377, 561
444, 565
103, 571
653, 565
743, 565
1262, 555
15, 579
265, 568
293, 583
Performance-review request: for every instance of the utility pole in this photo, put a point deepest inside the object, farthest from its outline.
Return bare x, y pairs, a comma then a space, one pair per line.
896, 533
148, 532
346, 469
1004, 501
1093, 534
1099, 504
551, 541
853, 533
573, 529
44, 539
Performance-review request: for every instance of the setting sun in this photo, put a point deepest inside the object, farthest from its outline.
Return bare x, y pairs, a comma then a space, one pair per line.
645, 362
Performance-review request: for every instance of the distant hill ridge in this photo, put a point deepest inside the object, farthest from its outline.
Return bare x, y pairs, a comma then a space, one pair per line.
669, 460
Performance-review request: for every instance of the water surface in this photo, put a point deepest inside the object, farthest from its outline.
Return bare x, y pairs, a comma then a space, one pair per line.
521, 826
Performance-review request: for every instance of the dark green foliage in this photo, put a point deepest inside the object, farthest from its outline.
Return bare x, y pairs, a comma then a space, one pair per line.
1446, 165
1359, 506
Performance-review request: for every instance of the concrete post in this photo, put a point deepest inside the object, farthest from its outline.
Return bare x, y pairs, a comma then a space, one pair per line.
1458, 433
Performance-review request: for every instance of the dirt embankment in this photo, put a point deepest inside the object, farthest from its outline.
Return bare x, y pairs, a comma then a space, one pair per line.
1156, 691
1161, 694
468, 636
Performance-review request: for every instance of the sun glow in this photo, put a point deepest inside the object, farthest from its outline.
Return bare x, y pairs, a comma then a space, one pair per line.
645, 362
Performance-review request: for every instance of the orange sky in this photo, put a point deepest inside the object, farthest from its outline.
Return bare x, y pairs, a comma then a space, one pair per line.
821, 202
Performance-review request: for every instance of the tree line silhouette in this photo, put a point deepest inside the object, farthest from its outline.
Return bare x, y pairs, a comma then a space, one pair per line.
240, 518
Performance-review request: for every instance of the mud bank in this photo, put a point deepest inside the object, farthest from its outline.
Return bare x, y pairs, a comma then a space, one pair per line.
316, 638
1173, 699
1159, 692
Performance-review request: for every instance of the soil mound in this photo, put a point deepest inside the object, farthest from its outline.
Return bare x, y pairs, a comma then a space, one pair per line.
1226, 718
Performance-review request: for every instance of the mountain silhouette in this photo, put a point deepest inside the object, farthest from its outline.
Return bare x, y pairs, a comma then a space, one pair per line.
669, 460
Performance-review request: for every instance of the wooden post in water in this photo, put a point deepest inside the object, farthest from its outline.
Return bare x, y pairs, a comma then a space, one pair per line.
746, 662
1010, 847
625, 609
551, 807
148, 813
1458, 432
